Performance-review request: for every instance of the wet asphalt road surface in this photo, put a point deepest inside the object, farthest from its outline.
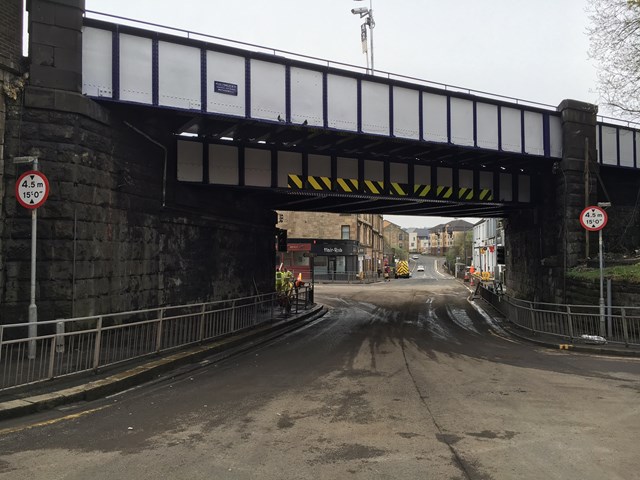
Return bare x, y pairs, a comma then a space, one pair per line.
399, 380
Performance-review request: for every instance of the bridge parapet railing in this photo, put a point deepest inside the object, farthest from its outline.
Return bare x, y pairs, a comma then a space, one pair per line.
70, 346
619, 324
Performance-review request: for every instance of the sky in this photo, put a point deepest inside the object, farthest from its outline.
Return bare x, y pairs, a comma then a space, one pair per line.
530, 50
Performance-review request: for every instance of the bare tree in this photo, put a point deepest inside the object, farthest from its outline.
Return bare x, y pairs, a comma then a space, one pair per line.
615, 45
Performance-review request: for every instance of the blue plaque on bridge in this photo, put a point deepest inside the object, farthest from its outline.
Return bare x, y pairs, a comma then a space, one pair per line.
225, 88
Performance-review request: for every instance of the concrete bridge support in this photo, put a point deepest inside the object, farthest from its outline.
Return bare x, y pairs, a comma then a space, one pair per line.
115, 234
545, 242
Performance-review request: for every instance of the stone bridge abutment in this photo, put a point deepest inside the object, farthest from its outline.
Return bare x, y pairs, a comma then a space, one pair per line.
114, 234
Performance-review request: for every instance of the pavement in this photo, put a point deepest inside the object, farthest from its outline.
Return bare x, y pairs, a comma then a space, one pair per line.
92, 385
555, 342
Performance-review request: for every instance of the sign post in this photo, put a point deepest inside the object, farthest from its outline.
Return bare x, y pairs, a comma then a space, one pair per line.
594, 219
32, 190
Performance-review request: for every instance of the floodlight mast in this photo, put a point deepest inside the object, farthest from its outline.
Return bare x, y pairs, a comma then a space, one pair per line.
368, 13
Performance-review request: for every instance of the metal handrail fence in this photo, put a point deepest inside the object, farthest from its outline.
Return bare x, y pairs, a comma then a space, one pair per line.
618, 325
69, 346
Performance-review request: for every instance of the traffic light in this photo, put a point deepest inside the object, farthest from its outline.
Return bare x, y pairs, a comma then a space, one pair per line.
282, 240
500, 255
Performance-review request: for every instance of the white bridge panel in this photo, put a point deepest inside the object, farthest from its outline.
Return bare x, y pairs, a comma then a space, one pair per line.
375, 108
229, 72
524, 188
399, 172
319, 165
511, 130
445, 177
179, 76
626, 147
306, 97
342, 93
136, 67
289, 163
486, 181
422, 175
374, 170
609, 146
465, 178
434, 112
190, 161
555, 136
506, 187
257, 167
462, 122
487, 122
347, 168
97, 53
533, 133
406, 114
223, 165
268, 93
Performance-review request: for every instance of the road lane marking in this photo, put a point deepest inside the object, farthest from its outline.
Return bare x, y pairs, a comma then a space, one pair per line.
53, 421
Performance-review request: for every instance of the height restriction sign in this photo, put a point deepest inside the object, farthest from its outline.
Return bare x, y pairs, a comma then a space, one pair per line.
593, 218
32, 189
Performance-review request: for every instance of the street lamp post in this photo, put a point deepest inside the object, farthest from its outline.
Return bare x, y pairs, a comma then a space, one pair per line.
369, 22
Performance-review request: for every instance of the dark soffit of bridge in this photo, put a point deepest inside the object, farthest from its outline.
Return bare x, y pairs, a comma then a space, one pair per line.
333, 202
247, 132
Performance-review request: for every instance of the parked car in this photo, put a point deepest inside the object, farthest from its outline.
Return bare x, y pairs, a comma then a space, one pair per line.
420, 268
415, 257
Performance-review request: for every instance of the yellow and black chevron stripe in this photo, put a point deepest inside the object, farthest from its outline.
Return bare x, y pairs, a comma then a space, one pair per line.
319, 183
347, 185
399, 189
295, 182
465, 193
486, 194
421, 190
374, 187
444, 192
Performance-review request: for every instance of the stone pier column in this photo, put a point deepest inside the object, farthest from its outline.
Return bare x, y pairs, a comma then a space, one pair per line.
579, 165
55, 44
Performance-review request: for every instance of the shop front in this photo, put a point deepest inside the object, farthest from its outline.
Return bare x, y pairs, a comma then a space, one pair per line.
321, 260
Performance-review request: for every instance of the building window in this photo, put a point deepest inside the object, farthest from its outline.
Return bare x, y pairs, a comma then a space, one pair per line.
345, 232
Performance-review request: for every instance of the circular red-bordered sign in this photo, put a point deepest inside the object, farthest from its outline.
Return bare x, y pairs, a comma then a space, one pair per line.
32, 189
593, 218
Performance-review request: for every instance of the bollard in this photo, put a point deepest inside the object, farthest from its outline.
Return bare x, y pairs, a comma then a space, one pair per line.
60, 337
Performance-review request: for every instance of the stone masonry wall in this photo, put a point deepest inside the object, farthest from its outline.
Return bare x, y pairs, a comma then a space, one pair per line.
105, 241
582, 292
11, 83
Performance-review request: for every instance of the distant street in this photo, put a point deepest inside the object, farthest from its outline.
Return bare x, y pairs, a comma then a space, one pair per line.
400, 380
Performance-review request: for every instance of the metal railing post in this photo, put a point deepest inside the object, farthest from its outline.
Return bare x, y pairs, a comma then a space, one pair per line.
159, 332
532, 316
273, 302
52, 356
625, 330
202, 313
232, 326
255, 311
570, 322
96, 348
60, 337
1, 336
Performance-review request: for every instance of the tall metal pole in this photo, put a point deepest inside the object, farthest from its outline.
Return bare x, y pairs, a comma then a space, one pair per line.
372, 24
602, 318
586, 193
33, 309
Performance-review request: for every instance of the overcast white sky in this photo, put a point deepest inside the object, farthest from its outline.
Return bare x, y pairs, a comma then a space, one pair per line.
531, 50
